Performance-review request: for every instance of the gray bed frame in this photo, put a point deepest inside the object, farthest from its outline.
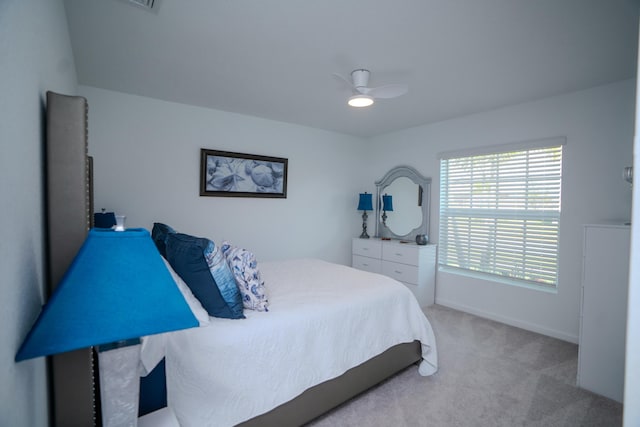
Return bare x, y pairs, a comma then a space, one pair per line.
74, 394
323, 397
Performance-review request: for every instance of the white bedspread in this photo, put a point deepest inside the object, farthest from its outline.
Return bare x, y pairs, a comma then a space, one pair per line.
323, 319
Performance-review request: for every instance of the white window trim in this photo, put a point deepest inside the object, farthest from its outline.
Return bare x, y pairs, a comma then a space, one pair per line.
504, 148
497, 279
477, 213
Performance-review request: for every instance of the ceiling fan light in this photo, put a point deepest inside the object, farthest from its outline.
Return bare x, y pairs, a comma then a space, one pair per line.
360, 101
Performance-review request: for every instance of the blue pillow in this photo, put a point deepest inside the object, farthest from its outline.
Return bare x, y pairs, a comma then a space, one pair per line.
223, 277
195, 259
159, 234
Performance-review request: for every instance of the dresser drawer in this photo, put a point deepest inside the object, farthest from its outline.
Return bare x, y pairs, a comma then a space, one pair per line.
401, 272
405, 254
366, 264
367, 247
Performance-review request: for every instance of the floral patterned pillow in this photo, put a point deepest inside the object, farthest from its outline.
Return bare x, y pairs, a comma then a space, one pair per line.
244, 267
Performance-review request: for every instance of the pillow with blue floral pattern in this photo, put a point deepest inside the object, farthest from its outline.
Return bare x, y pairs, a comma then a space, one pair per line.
244, 266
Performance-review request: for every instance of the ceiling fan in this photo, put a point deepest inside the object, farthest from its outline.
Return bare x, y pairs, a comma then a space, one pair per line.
363, 95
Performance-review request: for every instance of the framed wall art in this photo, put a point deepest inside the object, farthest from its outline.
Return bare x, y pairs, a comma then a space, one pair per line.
228, 174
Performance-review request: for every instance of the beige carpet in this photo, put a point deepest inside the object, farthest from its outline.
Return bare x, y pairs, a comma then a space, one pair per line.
490, 374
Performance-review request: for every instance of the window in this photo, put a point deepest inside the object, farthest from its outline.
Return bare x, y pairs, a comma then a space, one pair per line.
500, 211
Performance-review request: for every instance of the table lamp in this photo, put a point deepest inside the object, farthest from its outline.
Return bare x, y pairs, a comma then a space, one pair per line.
116, 290
365, 203
104, 219
387, 206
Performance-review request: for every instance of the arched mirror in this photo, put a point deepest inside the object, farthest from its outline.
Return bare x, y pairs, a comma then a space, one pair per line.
403, 206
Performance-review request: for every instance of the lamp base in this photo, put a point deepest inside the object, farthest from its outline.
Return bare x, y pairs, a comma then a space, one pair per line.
364, 234
119, 385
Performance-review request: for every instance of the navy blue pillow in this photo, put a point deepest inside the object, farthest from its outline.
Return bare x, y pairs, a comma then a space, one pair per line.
186, 254
159, 234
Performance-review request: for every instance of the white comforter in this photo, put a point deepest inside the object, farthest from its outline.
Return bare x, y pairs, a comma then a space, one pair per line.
323, 319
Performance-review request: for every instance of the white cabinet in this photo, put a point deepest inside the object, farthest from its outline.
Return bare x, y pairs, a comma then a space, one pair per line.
604, 309
411, 264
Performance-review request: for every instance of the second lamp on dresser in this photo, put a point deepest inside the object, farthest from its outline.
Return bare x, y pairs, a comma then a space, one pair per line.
411, 264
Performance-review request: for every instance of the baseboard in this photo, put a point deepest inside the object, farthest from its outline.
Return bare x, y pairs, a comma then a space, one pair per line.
509, 321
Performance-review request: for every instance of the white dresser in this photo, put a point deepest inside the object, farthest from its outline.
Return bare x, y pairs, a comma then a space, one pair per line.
603, 314
411, 264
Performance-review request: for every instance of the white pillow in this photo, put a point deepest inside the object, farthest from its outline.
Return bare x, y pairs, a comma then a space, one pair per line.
196, 308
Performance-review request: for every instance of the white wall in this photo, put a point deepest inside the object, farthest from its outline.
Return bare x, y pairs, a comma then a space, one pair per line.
147, 166
35, 56
632, 362
598, 125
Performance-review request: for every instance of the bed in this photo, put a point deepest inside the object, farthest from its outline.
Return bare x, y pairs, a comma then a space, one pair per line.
331, 331
75, 393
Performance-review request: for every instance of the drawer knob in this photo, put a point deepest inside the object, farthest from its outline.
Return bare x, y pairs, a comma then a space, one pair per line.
398, 272
397, 254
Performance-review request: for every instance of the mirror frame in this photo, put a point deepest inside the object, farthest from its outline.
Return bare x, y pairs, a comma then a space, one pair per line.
421, 181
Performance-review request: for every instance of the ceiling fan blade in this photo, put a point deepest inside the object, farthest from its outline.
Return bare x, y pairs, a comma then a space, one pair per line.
388, 91
346, 80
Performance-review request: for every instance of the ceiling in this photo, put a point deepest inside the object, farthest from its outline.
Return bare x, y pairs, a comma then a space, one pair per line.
275, 58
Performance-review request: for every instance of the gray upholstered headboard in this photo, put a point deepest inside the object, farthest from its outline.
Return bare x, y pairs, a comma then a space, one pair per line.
69, 207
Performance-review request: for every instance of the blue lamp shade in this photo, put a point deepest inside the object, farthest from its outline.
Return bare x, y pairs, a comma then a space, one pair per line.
117, 288
387, 203
365, 203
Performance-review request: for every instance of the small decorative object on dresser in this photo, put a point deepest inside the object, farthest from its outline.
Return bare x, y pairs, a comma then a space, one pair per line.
413, 265
365, 204
421, 239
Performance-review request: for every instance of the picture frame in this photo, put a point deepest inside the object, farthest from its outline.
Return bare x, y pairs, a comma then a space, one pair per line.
230, 174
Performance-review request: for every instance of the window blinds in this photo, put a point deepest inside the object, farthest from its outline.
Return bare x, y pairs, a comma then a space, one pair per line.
500, 213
